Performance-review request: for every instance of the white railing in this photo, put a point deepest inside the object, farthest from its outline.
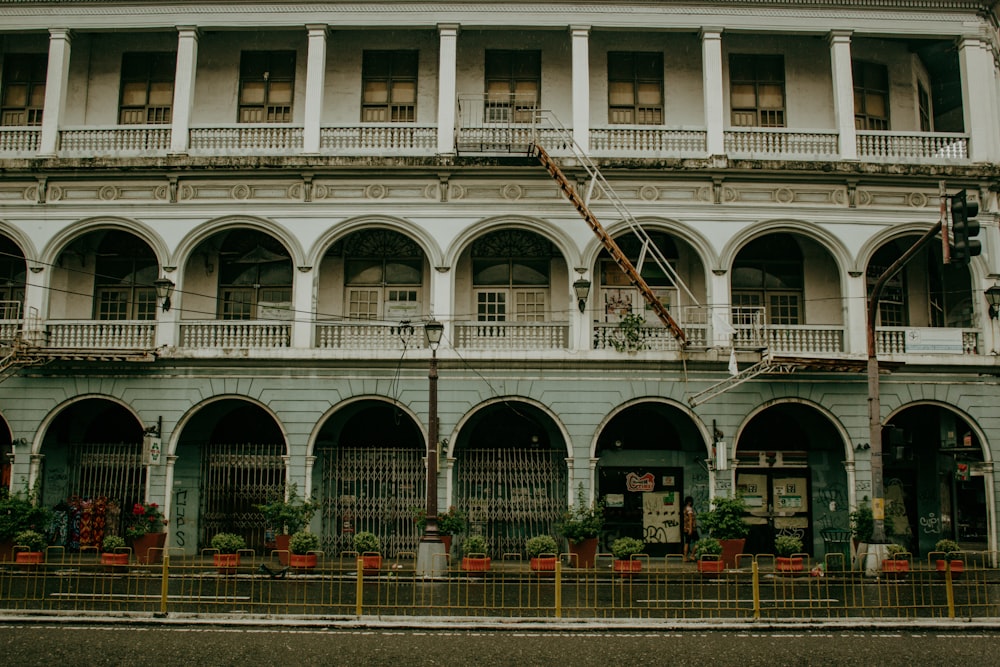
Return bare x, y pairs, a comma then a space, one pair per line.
379, 138
652, 337
367, 336
781, 143
246, 138
9, 329
117, 140
892, 340
873, 145
19, 141
512, 336
102, 335
647, 141
216, 334
805, 339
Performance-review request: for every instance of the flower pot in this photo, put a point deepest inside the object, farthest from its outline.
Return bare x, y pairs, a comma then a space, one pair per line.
788, 564
476, 564
281, 546
711, 567
226, 563
113, 560
893, 568
371, 563
303, 561
543, 564
730, 550
446, 539
957, 568
585, 551
29, 557
148, 548
627, 568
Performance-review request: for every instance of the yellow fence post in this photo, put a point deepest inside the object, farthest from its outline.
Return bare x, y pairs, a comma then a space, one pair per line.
360, 592
949, 589
164, 583
756, 591
558, 588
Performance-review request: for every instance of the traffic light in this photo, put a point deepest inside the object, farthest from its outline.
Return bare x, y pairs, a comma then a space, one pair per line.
964, 227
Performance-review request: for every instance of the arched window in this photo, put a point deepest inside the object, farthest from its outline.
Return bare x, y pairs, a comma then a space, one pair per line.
383, 275
125, 268
510, 276
255, 277
768, 276
12, 279
619, 297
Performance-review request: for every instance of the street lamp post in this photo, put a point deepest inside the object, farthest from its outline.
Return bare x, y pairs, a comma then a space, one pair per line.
430, 553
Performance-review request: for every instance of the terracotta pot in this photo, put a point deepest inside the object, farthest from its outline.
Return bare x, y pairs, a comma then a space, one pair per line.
730, 550
893, 568
303, 561
446, 539
627, 567
371, 563
585, 551
148, 548
29, 557
788, 564
476, 564
543, 564
281, 546
6, 551
957, 568
711, 568
226, 563
114, 559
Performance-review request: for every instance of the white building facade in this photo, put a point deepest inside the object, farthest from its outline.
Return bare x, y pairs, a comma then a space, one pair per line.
316, 181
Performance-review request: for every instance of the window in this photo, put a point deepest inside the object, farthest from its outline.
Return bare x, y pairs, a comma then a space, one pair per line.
255, 278
619, 297
924, 108
383, 275
13, 271
768, 274
635, 88
892, 307
871, 96
757, 90
513, 82
510, 276
267, 80
123, 284
23, 88
147, 90
389, 82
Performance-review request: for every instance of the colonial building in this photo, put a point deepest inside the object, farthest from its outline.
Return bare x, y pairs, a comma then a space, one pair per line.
308, 183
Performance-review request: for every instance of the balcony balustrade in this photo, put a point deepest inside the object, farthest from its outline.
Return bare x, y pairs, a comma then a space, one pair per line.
663, 142
782, 143
128, 140
246, 139
101, 335
19, 141
892, 340
379, 138
495, 336
909, 146
229, 334
367, 336
655, 337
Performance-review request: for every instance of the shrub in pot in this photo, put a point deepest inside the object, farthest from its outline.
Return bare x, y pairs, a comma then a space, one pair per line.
303, 546
725, 522
786, 546
368, 547
951, 554
228, 546
287, 516
29, 546
474, 558
110, 554
623, 549
897, 561
542, 550
708, 552
18, 512
581, 526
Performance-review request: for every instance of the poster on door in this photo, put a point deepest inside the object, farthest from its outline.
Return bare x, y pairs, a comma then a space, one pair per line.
791, 503
661, 517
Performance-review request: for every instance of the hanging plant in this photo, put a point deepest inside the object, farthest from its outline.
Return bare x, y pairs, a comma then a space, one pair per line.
629, 337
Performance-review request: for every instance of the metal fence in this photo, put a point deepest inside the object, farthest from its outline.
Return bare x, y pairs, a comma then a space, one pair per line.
666, 588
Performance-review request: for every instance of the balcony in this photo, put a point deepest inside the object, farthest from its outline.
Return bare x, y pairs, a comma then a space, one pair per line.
101, 335
367, 336
900, 340
230, 334
246, 139
114, 141
522, 336
379, 139
782, 143
912, 146
629, 141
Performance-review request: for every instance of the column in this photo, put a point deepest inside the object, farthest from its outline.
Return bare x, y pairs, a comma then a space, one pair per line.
187, 66
581, 86
843, 92
56, 82
856, 313
166, 320
719, 310
35, 303
315, 84
302, 308
715, 112
447, 73
440, 305
307, 482
978, 75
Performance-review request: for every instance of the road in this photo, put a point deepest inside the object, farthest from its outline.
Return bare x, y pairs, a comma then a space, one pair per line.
127, 644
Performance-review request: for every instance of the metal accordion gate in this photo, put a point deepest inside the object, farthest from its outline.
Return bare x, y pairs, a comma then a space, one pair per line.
511, 494
235, 478
112, 470
374, 489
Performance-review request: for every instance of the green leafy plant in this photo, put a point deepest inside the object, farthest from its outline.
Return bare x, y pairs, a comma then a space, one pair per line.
302, 542
291, 515
228, 543
862, 524
707, 546
451, 522
583, 520
19, 512
541, 544
625, 547
629, 337
145, 518
950, 548
895, 551
786, 545
112, 543
475, 544
31, 539
725, 520
366, 542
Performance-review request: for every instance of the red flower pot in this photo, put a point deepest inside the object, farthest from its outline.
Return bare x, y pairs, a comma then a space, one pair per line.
281, 546
29, 557
148, 548
711, 567
893, 568
627, 567
543, 564
371, 563
303, 561
788, 564
585, 551
114, 559
957, 568
226, 563
476, 564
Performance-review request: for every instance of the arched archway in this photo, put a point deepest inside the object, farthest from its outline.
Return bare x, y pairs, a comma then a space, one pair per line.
934, 479
230, 458
370, 458
93, 470
790, 473
510, 474
651, 455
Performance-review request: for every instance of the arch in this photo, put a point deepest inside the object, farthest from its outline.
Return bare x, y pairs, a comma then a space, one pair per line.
683, 408
836, 423
206, 230
479, 407
699, 243
891, 233
812, 231
22, 241
193, 411
966, 417
555, 235
57, 410
342, 230
340, 405
80, 229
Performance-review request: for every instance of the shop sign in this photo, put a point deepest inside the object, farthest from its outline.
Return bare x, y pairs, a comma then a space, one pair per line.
640, 484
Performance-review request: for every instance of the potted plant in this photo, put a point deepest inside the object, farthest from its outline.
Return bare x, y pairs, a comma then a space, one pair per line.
369, 547
144, 530
112, 553
897, 563
18, 512
287, 516
708, 553
787, 546
474, 558
581, 527
862, 527
725, 523
228, 546
629, 336
303, 546
951, 556
542, 552
449, 523
623, 549
29, 547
